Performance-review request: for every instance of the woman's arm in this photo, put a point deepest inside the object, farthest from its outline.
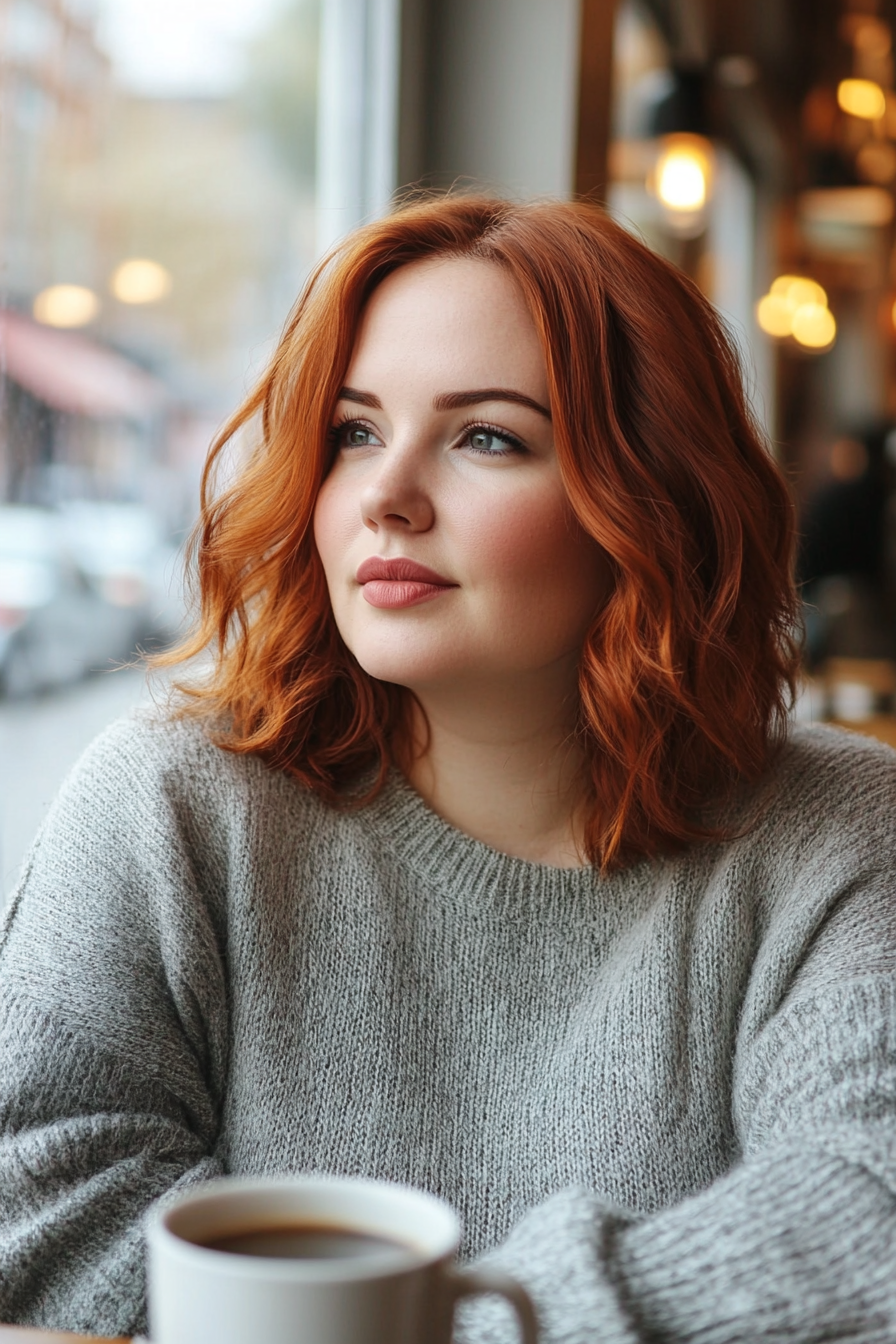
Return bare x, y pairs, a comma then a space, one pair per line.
798, 1241
112, 1043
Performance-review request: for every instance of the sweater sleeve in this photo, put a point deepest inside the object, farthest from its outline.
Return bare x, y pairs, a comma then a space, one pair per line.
112, 1043
796, 1242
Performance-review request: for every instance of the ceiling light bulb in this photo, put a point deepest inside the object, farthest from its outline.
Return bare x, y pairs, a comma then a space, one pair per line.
681, 181
782, 283
814, 326
140, 280
66, 306
861, 98
795, 290
681, 178
774, 316
801, 291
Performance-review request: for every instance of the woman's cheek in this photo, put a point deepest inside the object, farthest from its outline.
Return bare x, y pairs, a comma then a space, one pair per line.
523, 543
336, 519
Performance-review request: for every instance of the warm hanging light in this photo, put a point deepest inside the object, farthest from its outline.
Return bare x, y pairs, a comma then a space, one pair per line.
681, 177
814, 326
774, 315
861, 98
66, 306
797, 290
139, 280
797, 306
683, 173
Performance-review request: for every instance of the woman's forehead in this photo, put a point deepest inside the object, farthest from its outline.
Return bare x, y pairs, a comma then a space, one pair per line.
450, 318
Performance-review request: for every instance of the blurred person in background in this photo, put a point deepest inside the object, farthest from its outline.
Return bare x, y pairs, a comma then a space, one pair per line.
485, 859
842, 560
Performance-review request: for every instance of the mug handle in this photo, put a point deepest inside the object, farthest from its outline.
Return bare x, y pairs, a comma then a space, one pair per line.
472, 1282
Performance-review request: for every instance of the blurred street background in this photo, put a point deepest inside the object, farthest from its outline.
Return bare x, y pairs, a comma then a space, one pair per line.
157, 220
171, 169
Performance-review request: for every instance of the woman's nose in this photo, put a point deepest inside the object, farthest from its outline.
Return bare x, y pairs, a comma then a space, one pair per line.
398, 495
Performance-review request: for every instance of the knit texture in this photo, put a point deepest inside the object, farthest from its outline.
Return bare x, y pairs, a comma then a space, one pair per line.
664, 1099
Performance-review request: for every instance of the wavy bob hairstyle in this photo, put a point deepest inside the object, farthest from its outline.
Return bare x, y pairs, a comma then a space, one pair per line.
688, 669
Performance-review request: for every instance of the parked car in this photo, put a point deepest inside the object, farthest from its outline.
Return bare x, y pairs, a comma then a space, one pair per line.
122, 550
60, 618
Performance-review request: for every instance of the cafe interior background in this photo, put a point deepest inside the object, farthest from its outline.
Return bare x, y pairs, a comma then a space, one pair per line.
171, 169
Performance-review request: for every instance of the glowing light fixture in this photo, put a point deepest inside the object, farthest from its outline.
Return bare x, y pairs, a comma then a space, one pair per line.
683, 173
814, 326
861, 98
797, 306
774, 315
139, 280
797, 290
66, 306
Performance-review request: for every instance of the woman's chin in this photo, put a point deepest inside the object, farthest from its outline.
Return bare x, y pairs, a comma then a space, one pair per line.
406, 661
412, 677
416, 672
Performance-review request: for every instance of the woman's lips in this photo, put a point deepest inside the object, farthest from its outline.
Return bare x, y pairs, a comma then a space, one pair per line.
399, 582
394, 593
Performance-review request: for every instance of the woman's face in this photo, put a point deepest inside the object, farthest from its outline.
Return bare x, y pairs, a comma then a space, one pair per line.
450, 550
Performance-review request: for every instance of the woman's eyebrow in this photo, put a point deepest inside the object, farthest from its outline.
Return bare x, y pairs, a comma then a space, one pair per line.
361, 398
452, 401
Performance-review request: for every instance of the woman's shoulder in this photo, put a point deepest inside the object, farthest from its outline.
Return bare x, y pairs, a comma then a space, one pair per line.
822, 814
826, 806
154, 793
151, 759
820, 868
846, 748
159, 741
831, 768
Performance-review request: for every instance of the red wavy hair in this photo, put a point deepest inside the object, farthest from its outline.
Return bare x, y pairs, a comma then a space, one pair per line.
688, 670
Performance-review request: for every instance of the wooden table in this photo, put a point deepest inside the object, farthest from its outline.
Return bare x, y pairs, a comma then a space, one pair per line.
14, 1334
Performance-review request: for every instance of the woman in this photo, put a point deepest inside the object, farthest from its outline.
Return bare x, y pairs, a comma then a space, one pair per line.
483, 860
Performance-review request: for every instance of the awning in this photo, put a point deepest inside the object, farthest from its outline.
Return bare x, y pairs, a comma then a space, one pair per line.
74, 373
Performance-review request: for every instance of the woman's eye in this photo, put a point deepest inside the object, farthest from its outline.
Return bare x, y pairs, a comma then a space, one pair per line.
490, 443
354, 435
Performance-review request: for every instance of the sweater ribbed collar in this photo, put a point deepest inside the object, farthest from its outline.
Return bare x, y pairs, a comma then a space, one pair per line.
446, 857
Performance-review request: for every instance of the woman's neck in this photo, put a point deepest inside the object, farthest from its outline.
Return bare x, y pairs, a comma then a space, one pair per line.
503, 770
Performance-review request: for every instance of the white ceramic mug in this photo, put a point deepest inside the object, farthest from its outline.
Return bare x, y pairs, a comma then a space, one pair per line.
404, 1295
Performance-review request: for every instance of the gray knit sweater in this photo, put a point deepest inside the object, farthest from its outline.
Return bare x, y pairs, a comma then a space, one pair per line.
667, 1097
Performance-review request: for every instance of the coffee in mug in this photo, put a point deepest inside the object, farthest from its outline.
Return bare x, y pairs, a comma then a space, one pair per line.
297, 1260
307, 1242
